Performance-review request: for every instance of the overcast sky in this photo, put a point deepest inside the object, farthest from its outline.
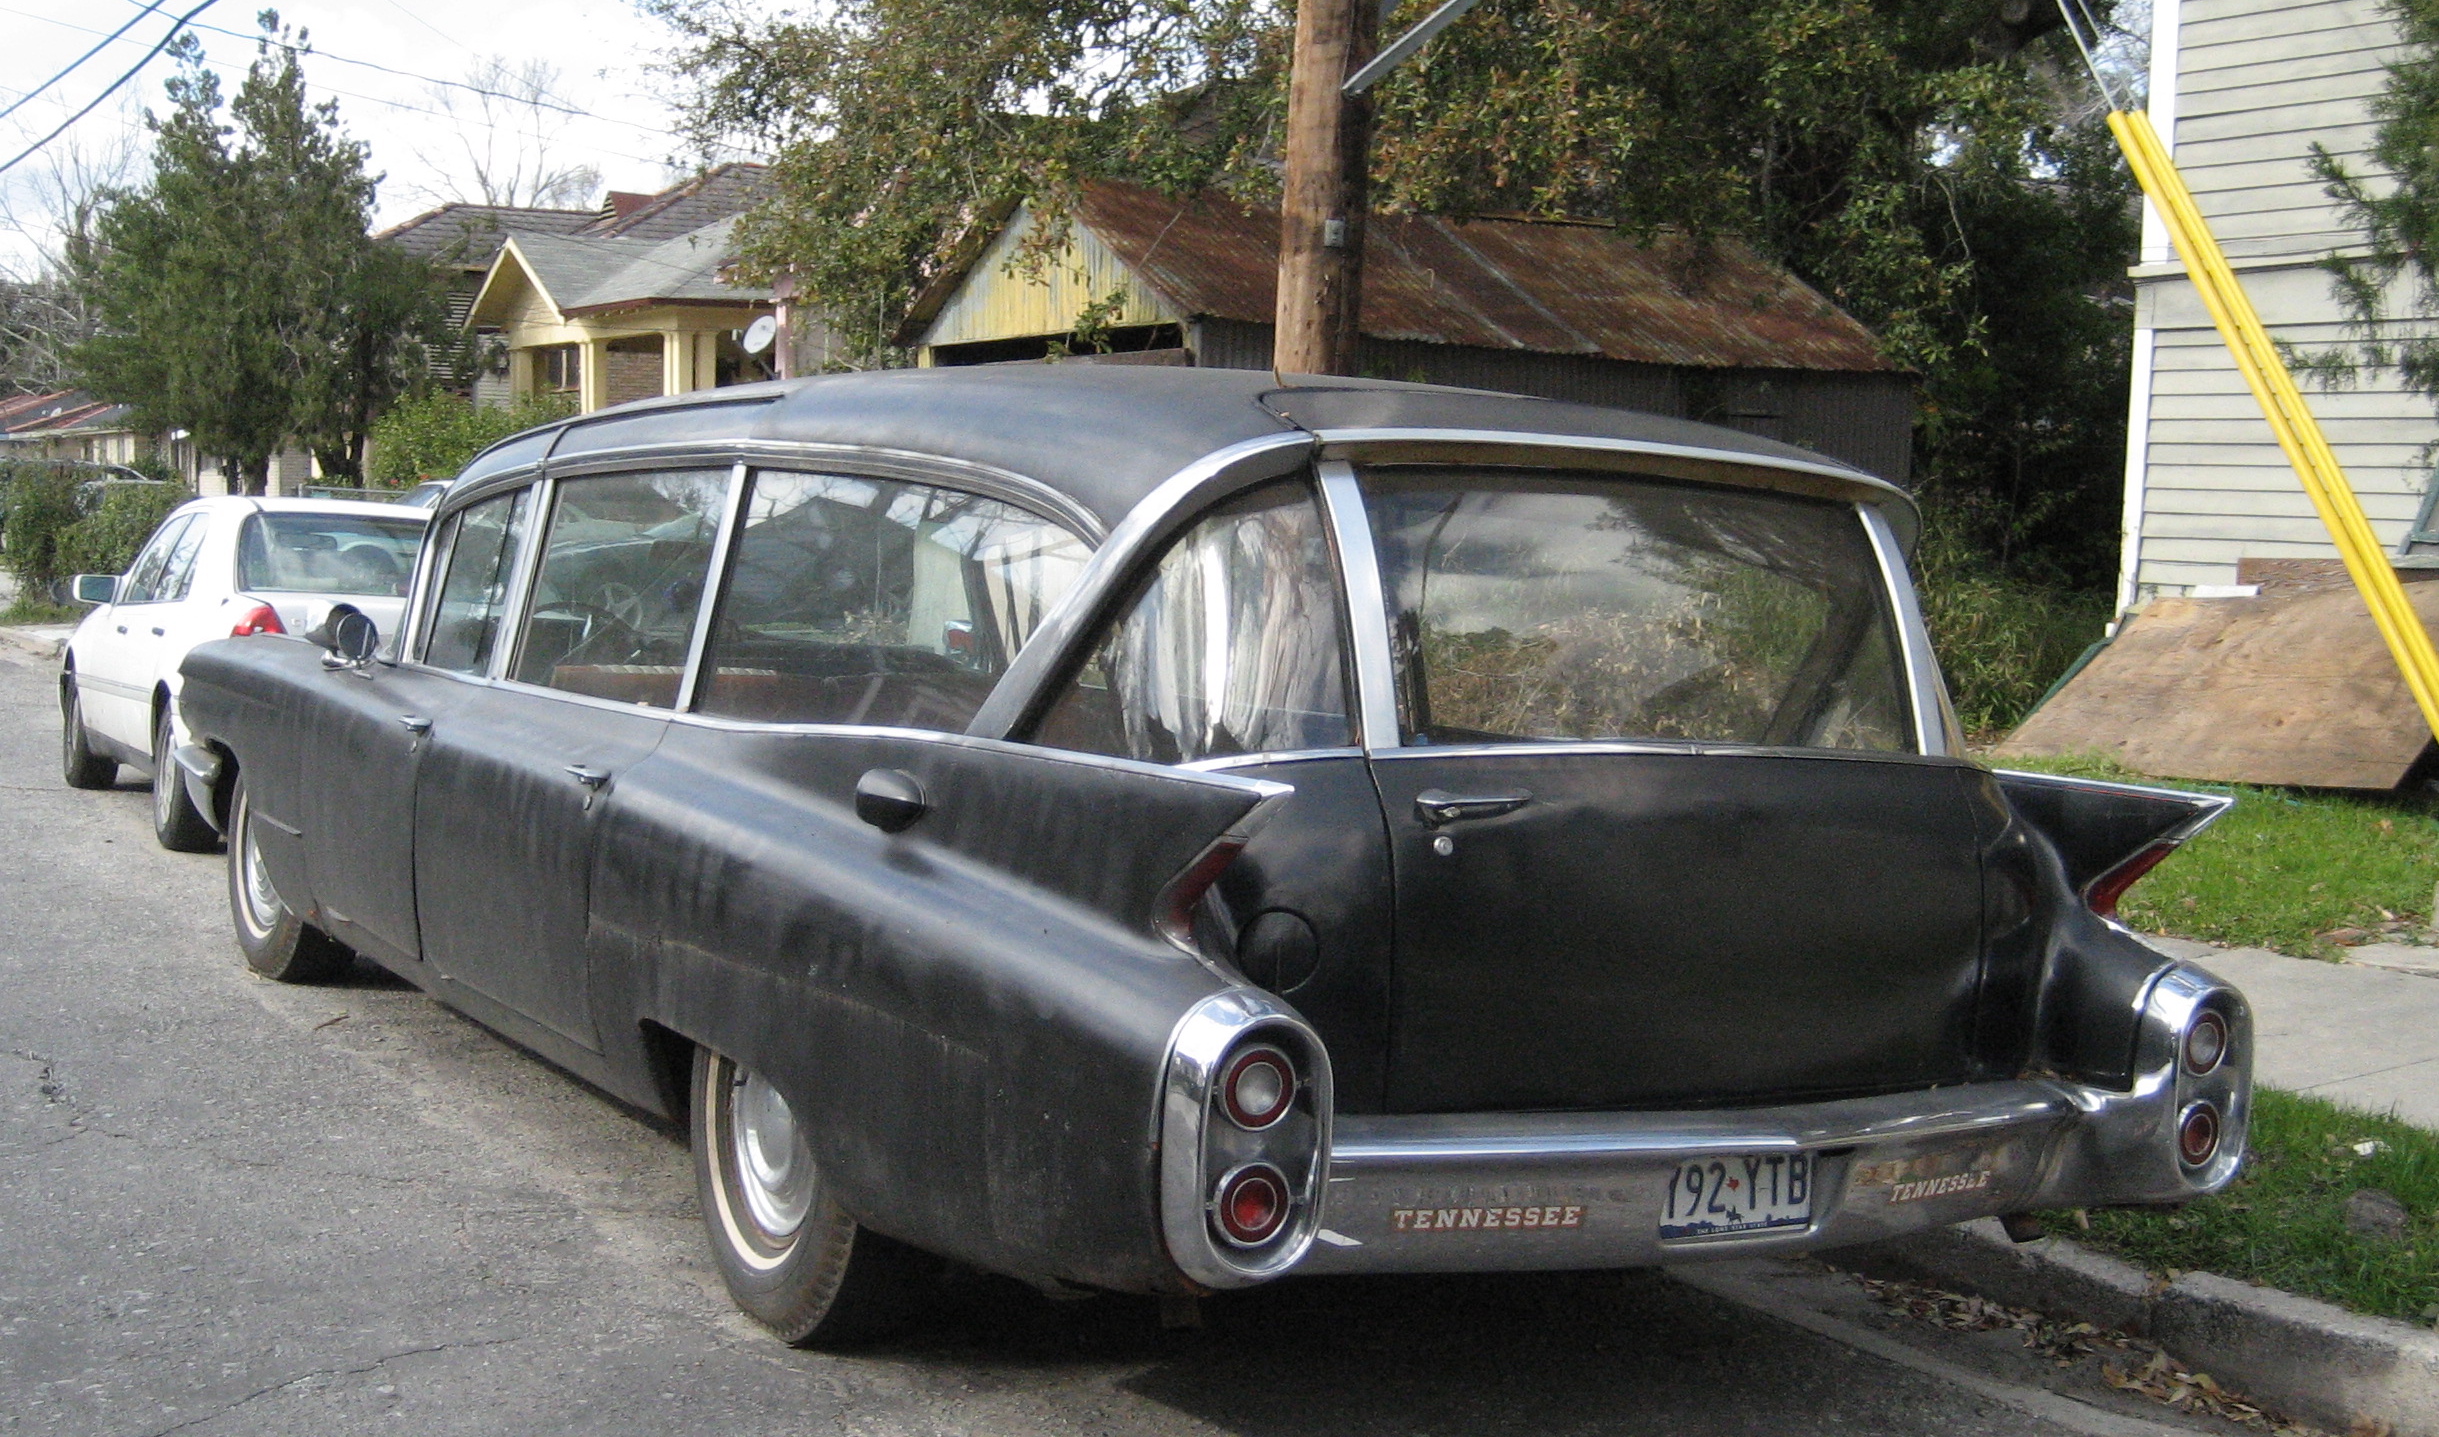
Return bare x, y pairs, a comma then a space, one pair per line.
603, 53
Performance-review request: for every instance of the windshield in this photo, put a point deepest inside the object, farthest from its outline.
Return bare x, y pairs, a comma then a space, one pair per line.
1582, 606
305, 553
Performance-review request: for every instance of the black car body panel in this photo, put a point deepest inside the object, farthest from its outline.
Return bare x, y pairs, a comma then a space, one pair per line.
998, 979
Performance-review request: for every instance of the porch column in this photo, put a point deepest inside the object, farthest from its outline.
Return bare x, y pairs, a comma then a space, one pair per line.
677, 361
593, 389
707, 359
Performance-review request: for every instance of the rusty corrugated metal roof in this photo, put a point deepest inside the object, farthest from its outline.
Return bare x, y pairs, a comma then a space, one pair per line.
1548, 286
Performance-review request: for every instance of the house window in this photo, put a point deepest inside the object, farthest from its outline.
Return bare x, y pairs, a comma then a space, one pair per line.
559, 369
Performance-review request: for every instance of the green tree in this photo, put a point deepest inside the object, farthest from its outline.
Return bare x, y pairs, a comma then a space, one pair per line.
1936, 166
238, 294
433, 435
2391, 291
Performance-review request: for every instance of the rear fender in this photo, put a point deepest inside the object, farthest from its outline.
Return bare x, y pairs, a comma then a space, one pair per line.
2108, 834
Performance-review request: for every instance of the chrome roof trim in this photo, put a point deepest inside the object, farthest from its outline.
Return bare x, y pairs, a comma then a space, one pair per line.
1153, 519
1366, 602
1655, 748
1819, 478
1228, 763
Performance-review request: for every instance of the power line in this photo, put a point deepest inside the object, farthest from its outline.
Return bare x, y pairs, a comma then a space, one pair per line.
91, 104
149, 8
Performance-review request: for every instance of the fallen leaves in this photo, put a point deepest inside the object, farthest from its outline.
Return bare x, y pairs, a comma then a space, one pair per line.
2139, 1367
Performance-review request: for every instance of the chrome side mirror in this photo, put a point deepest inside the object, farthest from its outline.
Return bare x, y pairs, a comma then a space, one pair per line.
97, 588
351, 638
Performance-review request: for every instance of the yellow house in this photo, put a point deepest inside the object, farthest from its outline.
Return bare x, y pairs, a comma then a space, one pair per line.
607, 319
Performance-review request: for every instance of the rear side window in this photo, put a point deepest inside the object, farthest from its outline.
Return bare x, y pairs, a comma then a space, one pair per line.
480, 554
622, 578
1234, 645
143, 583
856, 600
178, 572
327, 554
1610, 607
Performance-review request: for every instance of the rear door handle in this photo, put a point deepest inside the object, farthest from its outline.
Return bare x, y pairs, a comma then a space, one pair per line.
157, 633
589, 777
414, 723
122, 628
1438, 807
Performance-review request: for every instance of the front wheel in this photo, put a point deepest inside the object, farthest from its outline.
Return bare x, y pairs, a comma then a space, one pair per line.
277, 943
176, 822
792, 1257
78, 763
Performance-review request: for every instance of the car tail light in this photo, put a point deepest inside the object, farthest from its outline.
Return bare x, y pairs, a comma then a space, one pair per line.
2205, 1045
2197, 1134
1250, 1204
1174, 917
2105, 890
1257, 1087
261, 619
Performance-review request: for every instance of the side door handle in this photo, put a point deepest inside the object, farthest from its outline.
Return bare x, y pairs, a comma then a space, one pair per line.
157, 633
415, 723
122, 628
1437, 807
592, 778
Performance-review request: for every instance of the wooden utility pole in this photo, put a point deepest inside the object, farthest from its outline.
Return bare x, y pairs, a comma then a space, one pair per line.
1321, 213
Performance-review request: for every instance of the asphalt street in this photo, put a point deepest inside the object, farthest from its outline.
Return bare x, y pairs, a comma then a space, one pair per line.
228, 1206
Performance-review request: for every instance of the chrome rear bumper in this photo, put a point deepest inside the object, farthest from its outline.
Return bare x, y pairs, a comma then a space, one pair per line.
1515, 1191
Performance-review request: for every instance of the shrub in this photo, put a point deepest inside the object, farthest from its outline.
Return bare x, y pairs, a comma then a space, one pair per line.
432, 436
105, 541
2002, 640
38, 504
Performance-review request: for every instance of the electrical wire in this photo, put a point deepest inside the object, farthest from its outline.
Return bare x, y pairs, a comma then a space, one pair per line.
151, 6
113, 89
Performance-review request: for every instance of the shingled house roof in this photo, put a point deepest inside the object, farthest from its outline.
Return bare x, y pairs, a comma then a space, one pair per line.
475, 232
585, 274
1548, 286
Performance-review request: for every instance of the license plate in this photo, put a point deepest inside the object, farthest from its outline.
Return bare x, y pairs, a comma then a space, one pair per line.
1741, 1192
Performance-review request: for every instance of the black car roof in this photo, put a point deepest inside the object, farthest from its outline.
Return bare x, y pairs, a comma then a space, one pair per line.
1103, 434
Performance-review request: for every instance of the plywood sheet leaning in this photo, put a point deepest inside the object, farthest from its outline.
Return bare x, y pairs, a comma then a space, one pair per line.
2284, 688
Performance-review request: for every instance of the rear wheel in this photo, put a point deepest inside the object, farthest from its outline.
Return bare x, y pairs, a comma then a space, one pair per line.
78, 763
175, 819
277, 943
793, 1259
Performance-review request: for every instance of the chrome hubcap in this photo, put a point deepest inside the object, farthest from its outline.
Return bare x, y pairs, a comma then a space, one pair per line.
262, 900
774, 1167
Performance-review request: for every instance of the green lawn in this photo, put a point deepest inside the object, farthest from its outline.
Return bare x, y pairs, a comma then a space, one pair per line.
2285, 867
2283, 1221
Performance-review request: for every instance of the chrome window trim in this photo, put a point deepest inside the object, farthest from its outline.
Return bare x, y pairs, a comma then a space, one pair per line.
732, 512
412, 623
1176, 500
1923, 684
1226, 763
529, 567
1366, 605
1659, 748
1821, 478
484, 488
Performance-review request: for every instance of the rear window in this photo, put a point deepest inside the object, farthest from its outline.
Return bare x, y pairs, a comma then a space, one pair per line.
1568, 606
328, 554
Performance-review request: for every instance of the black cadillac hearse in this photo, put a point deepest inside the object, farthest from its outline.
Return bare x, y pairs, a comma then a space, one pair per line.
1166, 829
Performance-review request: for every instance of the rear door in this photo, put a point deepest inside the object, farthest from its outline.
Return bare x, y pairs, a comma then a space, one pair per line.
518, 778
1660, 833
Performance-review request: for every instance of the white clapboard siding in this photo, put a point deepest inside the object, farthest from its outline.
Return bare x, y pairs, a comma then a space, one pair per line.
2259, 83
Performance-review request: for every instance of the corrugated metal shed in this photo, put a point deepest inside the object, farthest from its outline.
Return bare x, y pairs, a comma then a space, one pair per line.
1539, 286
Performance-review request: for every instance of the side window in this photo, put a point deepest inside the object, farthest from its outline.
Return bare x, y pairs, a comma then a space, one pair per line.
622, 576
178, 572
474, 569
143, 582
1234, 645
874, 601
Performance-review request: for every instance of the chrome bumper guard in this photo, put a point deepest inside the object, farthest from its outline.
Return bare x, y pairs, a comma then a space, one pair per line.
1519, 1191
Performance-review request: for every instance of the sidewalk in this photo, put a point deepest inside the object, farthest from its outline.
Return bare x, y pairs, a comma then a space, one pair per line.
2364, 1033
41, 640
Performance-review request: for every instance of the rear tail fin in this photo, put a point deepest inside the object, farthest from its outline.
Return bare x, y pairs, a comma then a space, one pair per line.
2109, 834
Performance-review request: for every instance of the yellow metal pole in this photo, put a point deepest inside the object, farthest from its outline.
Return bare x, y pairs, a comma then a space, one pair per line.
2283, 405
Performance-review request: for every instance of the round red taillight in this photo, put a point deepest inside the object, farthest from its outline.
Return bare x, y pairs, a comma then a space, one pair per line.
1257, 1087
1250, 1205
2205, 1043
2197, 1135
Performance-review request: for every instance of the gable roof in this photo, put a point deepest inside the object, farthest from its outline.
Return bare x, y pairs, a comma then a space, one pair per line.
479, 229
716, 194
585, 274
1545, 286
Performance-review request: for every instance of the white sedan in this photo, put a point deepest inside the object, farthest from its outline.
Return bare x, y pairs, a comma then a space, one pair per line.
215, 569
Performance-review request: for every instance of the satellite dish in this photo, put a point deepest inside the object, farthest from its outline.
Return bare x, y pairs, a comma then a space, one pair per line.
760, 333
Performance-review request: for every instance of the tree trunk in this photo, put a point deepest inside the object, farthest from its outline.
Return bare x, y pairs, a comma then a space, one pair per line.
254, 475
1326, 194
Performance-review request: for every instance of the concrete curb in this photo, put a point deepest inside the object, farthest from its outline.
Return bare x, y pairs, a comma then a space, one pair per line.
46, 642
2310, 1360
